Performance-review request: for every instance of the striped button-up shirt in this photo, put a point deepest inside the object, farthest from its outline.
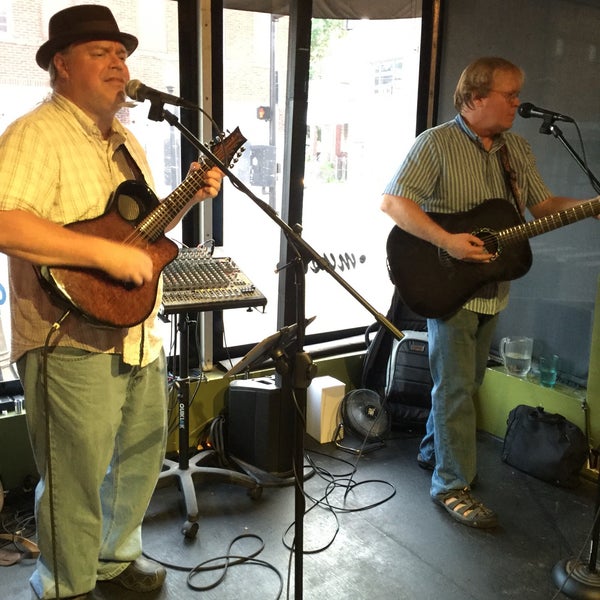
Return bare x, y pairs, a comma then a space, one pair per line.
55, 163
448, 170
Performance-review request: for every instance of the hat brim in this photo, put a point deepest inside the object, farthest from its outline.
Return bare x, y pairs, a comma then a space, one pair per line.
51, 47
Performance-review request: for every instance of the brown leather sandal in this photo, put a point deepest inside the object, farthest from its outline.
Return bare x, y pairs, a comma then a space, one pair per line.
462, 507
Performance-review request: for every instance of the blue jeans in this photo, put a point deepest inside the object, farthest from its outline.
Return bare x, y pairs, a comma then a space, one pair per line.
107, 436
458, 353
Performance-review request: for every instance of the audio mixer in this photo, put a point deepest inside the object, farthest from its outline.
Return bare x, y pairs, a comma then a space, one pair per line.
196, 281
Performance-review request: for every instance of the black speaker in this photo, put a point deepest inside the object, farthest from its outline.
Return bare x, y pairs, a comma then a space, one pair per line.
260, 425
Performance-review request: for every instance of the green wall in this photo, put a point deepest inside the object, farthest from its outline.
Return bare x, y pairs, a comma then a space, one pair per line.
498, 395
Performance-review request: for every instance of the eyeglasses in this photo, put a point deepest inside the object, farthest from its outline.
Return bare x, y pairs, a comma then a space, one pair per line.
508, 96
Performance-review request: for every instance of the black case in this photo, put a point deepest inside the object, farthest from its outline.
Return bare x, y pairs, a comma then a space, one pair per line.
408, 381
545, 445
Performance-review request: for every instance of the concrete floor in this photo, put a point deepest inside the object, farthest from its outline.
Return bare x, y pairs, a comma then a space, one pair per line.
384, 540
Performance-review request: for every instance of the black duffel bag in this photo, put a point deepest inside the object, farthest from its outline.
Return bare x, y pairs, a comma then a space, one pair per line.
545, 445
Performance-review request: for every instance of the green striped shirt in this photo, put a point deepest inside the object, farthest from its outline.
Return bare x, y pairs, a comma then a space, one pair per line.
448, 170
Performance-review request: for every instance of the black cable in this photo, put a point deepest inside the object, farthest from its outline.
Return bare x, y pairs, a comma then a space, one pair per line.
223, 563
333, 482
50, 477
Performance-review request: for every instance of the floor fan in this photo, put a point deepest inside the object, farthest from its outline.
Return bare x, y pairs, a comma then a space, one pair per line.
364, 422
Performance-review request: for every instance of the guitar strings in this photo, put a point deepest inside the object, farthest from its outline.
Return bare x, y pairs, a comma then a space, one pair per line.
155, 223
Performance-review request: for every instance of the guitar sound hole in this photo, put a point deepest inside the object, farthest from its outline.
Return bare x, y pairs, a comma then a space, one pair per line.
128, 208
487, 236
490, 241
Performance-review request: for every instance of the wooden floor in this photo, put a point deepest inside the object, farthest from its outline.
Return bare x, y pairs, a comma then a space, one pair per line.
382, 540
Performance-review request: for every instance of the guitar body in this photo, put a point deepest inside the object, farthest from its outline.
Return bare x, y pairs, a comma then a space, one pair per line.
135, 217
435, 285
93, 293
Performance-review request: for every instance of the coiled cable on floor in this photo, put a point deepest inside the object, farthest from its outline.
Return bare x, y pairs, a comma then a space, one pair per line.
232, 560
334, 482
224, 563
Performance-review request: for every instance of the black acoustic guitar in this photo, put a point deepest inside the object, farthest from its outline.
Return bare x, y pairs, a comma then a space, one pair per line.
134, 217
435, 285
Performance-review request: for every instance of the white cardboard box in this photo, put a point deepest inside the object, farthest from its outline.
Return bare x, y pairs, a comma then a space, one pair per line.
323, 398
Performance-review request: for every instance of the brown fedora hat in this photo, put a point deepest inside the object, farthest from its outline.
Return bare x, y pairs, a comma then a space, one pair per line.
81, 23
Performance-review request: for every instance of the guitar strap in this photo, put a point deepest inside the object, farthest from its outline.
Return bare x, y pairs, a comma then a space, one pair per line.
511, 180
139, 176
136, 171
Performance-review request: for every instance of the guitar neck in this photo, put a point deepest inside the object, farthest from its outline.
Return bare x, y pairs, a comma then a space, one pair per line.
545, 224
156, 223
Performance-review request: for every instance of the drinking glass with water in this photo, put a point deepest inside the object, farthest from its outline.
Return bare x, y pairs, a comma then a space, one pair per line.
516, 355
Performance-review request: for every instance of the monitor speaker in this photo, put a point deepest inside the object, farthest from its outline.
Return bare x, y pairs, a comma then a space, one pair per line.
260, 425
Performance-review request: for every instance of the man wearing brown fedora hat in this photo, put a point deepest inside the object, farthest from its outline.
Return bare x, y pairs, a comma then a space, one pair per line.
95, 397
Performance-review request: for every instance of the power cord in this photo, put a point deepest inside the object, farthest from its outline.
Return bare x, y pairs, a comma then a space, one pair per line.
17, 528
50, 468
333, 483
223, 563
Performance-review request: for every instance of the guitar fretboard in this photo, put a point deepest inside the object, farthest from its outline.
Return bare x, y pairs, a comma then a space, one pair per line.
554, 221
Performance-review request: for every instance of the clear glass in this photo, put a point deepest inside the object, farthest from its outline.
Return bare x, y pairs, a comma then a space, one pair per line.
362, 106
361, 120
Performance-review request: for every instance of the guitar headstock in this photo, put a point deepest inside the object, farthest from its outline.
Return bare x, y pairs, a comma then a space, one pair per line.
228, 148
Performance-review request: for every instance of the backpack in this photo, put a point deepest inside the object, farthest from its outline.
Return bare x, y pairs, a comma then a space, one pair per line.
398, 370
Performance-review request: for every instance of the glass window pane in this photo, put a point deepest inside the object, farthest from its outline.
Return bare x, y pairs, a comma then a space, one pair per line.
361, 120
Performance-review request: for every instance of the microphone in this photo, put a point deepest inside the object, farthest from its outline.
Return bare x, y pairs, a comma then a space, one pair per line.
527, 110
136, 90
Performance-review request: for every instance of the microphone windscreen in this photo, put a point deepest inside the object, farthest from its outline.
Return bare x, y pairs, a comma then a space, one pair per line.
132, 87
525, 109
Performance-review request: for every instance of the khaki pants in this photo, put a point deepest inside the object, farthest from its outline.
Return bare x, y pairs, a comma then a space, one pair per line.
99, 452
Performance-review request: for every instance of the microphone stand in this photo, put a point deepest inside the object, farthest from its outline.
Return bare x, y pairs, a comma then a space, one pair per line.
550, 127
574, 577
296, 379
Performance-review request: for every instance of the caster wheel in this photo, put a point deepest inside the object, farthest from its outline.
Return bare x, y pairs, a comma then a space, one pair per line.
190, 530
255, 493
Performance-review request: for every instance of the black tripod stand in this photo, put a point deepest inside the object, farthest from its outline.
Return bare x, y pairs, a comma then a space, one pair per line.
300, 369
275, 347
575, 577
188, 472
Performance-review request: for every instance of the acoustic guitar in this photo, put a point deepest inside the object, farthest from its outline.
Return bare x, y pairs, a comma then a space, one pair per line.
435, 285
135, 217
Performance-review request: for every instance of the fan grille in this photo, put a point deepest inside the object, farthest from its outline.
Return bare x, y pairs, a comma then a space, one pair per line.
364, 414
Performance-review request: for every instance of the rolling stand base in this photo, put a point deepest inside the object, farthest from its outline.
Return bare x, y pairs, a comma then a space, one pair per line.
578, 581
198, 472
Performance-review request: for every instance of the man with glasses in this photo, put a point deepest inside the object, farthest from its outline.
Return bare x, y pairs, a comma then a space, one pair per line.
453, 168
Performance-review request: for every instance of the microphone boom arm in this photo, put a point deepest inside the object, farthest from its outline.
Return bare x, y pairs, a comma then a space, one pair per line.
550, 127
293, 237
